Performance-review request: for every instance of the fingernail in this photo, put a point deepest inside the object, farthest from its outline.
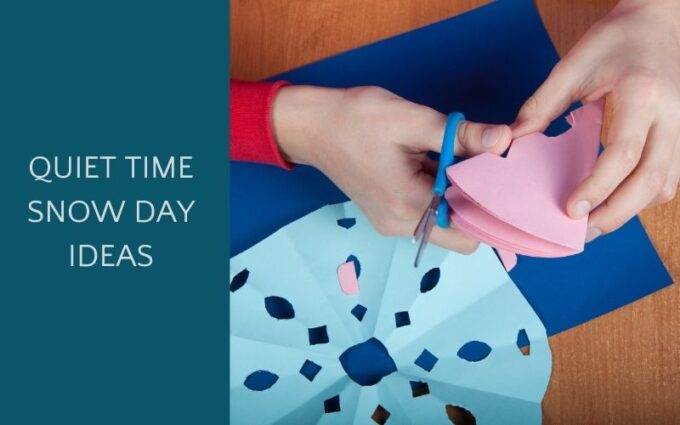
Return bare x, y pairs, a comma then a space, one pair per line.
491, 135
580, 209
592, 233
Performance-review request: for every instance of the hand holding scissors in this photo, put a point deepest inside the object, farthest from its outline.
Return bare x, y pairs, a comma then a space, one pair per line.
438, 209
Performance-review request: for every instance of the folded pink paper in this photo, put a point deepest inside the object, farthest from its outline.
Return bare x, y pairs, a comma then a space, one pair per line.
517, 204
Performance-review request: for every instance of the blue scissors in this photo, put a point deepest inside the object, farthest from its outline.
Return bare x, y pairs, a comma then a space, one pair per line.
438, 209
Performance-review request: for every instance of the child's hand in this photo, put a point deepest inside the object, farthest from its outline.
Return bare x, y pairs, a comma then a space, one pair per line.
634, 54
372, 144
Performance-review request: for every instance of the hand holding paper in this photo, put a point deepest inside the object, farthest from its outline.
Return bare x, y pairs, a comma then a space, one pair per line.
517, 204
372, 144
631, 55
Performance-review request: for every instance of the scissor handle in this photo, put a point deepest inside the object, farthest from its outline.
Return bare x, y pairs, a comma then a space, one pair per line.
446, 155
446, 159
443, 213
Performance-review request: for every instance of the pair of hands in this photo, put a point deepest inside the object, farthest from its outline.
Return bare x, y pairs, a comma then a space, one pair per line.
373, 144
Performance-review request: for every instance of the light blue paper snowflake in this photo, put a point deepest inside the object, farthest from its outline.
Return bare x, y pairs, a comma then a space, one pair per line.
451, 341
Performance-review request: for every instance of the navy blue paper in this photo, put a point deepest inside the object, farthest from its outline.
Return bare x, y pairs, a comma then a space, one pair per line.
485, 63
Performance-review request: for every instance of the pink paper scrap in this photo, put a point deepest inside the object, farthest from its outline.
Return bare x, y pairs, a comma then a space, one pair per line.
509, 259
347, 277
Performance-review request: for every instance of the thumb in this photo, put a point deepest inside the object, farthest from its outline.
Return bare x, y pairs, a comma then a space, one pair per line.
475, 138
471, 138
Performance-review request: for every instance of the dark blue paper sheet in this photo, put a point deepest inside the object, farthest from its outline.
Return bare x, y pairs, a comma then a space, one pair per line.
485, 63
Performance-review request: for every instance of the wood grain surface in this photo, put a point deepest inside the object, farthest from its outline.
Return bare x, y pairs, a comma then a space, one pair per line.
621, 368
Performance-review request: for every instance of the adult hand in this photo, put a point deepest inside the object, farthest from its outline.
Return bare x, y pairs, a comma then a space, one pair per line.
633, 54
373, 144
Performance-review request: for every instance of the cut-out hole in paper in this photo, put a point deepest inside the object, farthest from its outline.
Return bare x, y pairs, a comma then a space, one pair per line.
426, 360
239, 280
359, 311
523, 342
318, 335
309, 370
380, 415
332, 404
430, 280
368, 362
357, 264
419, 388
401, 318
474, 351
347, 222
460, 415
347, 278
260, 380
279, 308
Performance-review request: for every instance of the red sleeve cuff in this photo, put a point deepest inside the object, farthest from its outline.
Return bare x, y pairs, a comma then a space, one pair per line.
252, 134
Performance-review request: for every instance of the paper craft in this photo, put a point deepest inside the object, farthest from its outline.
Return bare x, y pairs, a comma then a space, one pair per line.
488, 77
518, 203
431, 345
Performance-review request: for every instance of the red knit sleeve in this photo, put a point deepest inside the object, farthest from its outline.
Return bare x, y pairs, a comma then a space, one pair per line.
252, 136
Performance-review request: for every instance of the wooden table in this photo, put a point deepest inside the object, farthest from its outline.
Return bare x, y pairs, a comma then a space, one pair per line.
622, 368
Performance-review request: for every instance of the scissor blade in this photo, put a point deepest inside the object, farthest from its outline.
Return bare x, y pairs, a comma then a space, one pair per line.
420, 228
425, 237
